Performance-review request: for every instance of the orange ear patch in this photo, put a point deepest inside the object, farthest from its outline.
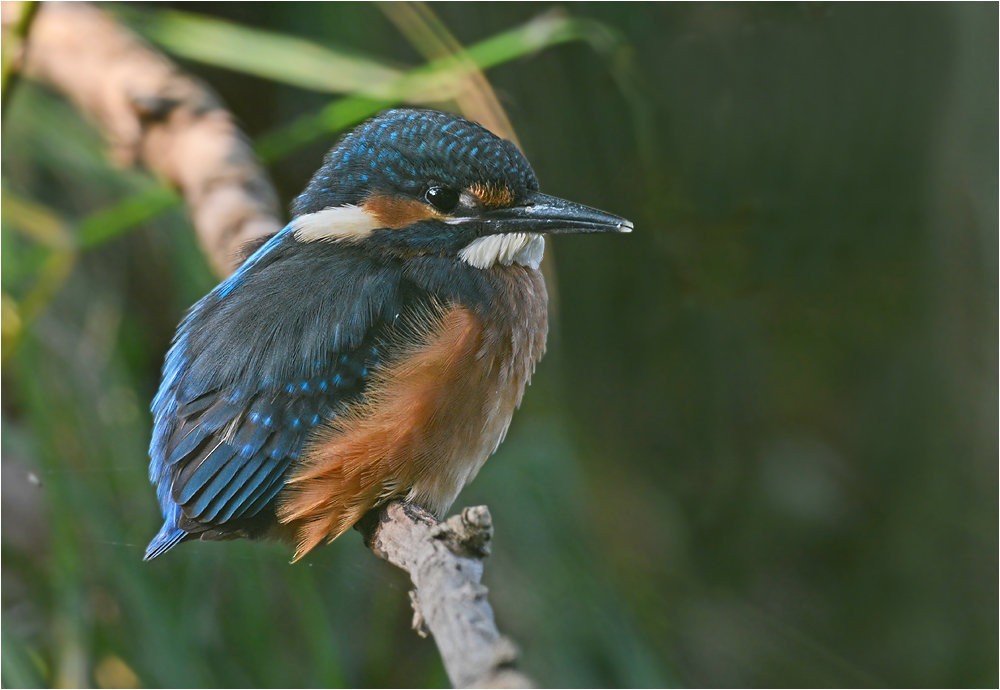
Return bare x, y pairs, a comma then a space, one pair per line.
395, 213
490, 195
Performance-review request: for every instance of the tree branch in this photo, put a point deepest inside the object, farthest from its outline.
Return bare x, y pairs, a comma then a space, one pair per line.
157, 116
175, 126
445, 561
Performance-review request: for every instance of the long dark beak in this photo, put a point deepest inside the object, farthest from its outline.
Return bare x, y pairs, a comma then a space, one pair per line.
548, 214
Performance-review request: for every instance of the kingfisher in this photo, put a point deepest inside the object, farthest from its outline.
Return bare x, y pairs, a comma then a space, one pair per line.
375, 348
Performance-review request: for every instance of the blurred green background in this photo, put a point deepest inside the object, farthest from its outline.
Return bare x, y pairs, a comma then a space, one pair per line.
762, 449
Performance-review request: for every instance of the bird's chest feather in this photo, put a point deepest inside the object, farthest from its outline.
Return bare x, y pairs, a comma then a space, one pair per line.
430, 416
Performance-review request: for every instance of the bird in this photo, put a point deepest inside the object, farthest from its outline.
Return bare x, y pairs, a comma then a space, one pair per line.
374, 348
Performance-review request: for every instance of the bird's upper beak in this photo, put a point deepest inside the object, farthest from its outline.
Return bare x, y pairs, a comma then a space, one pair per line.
542, 213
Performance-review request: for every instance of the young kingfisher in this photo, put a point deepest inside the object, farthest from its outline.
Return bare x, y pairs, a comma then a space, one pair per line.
374, 348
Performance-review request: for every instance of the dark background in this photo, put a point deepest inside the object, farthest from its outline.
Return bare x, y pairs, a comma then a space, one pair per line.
762, 449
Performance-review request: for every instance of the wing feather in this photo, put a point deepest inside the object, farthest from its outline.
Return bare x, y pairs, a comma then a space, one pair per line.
267, 474
248, 379
200, 472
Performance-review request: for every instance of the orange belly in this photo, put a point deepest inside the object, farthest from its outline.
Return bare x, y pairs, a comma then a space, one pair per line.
430, 419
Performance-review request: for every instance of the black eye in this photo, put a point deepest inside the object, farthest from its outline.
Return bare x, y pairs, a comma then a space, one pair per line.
443, 199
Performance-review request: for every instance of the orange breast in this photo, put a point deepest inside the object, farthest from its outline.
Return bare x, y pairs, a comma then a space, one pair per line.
431, 418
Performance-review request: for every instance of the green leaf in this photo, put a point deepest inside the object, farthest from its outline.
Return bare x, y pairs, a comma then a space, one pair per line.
20, 670
36, 221
267, 54
118, 219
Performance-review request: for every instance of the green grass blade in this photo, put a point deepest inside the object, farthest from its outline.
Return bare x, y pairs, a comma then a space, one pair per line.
36, 221
104, 225
19, 670
267, 54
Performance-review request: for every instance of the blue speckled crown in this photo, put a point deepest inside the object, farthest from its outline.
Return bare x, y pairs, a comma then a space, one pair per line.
407, 151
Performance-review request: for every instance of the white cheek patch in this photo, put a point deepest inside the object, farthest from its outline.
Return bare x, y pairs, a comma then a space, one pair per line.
524, 248
336, 223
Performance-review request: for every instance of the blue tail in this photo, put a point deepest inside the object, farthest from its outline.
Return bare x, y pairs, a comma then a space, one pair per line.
169, 537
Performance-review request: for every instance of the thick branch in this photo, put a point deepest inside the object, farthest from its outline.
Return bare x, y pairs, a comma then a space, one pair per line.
155, 115
445, 561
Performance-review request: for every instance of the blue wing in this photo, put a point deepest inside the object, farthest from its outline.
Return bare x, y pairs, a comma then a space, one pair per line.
274, 351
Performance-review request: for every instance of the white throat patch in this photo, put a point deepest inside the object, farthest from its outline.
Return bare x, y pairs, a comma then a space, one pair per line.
524, 248
337, 222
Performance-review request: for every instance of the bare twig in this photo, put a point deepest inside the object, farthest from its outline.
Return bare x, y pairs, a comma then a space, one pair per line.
155, 115
445, 561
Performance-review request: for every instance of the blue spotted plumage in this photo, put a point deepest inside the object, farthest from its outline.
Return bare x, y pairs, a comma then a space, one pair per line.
226, 425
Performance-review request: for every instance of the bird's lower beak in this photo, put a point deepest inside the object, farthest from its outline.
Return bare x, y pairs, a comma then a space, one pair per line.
548, 214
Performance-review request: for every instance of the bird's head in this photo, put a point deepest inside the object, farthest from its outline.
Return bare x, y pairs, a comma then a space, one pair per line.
416, 182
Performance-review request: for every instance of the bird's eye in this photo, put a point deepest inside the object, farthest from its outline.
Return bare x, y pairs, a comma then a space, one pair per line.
443, 199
